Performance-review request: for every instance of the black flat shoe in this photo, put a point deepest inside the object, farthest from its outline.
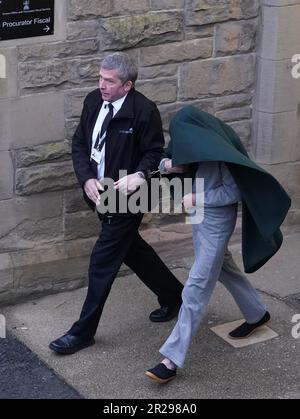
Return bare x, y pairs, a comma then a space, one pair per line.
246, 329
69, 344
164, 313
161, 374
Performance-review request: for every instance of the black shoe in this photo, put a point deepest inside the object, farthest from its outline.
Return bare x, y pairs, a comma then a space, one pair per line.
161, 374
246, 329
69, 344
164, 313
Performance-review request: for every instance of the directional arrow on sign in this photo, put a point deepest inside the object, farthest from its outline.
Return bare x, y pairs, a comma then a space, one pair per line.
47, 29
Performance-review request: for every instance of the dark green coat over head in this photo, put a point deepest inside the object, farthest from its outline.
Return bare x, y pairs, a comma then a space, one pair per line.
197, 136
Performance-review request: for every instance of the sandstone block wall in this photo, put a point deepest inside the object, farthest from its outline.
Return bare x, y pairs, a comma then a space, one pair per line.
212, 54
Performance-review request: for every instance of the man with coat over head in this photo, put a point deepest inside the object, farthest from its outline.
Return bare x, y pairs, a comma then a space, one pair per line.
219, 158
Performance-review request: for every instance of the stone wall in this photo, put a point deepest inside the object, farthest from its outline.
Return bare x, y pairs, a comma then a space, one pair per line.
276, 108
200, 52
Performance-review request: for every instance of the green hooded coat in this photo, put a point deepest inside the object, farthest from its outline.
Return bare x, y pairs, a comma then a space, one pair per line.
197, 136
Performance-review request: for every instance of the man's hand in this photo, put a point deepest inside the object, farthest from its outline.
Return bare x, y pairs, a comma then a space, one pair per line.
176, 169
189, 200
128, 184
91, 188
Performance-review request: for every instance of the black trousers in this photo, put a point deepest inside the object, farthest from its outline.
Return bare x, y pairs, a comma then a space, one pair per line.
119, 242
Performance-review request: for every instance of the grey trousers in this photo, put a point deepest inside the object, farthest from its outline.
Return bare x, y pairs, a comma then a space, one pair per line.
213, 262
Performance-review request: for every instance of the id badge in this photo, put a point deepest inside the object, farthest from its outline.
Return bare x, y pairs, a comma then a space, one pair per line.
96, 156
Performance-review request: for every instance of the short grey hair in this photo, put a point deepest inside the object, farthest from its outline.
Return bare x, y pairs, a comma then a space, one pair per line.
122, 62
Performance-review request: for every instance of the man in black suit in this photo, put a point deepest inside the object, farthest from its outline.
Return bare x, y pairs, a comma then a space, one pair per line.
119, 129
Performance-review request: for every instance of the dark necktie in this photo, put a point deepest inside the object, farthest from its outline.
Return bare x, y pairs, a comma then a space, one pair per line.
105, 123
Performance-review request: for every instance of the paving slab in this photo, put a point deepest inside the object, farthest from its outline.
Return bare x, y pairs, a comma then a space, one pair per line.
261, 334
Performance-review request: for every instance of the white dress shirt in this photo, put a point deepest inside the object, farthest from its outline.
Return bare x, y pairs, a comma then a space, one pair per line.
97, 128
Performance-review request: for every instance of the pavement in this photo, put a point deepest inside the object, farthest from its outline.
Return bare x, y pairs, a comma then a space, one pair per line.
127, 342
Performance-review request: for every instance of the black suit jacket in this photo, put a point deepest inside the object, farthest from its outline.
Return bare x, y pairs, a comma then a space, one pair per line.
134, 138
